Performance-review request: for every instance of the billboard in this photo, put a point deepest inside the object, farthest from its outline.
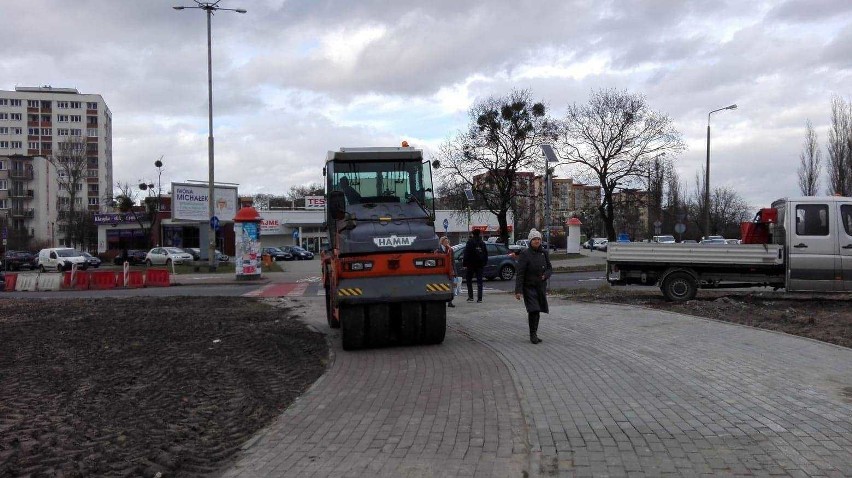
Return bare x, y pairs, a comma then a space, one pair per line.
189, 202
314, 202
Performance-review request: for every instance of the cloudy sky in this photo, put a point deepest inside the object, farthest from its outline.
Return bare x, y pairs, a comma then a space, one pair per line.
296, 78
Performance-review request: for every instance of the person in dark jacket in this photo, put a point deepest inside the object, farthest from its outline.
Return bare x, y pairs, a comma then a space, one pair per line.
534, 270
475, 258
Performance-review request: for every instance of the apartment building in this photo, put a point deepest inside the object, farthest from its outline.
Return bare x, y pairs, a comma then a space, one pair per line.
35, 123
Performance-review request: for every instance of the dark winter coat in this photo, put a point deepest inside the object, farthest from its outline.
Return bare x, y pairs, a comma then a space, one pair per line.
475, 253
534, 270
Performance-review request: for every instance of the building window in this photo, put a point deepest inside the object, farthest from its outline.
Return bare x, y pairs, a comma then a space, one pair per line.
4, 102
45, 118
32, 103
17, 145
2, 165
92, 132
92, 105
62, 131
15, 116
33, 144
93, 201
14, 102
62, 118
32, 118
17, 130
4, 130
75, 105
46, 146
76, 132
3, 184
4, 116
76, 118
62, 105
4, 145
46, 131
4, 204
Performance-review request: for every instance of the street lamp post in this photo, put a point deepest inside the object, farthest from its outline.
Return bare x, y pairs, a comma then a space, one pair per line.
707, 173
210, 7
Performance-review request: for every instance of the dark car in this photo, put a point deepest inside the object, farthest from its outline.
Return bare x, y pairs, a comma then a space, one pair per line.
501, 263
134, 257
92, 260
277, 254
196, 255
297, 252
18, 260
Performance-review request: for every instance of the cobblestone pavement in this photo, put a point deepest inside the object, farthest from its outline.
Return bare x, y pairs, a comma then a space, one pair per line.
612, 391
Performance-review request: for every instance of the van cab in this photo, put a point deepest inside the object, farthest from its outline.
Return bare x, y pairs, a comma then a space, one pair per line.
61, 259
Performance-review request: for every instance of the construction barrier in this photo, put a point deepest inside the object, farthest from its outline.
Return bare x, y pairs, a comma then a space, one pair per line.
10, 282
26, 282
100, 280
49, 282
80, 280
133, 279
157, 278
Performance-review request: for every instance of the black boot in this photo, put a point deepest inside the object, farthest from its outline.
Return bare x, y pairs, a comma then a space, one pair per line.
533, 319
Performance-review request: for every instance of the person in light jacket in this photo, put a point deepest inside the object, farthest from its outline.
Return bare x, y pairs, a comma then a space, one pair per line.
446, 248
534, 270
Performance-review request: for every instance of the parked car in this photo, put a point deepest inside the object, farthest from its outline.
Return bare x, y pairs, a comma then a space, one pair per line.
663, 239
713, 241
134, 257
18, 260
191, 251
600, 245
297, 252
592, 243
167, 256
689, 241
732, 241
196, 254
92, 260
60, 259
277, 254
501, 264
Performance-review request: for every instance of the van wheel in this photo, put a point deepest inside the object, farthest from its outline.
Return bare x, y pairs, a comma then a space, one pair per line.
679, 287
148, 262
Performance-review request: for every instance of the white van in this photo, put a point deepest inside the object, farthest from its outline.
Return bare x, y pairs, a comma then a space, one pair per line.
60, 259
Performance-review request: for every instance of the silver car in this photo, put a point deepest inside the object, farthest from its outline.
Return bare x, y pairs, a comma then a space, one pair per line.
159, 256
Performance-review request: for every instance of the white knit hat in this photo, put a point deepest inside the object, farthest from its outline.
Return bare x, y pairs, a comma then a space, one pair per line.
534, 235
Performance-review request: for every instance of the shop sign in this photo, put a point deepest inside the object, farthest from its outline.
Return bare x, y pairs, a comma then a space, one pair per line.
314, 202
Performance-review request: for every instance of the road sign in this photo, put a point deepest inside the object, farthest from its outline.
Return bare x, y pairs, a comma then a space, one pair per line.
680, 228
214, 223
295, 234
446, 225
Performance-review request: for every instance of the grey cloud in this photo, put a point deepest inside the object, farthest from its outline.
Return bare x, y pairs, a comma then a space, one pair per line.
809, 10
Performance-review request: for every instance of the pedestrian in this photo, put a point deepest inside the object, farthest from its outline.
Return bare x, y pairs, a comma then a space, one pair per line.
475, 258
534, 270
447, 249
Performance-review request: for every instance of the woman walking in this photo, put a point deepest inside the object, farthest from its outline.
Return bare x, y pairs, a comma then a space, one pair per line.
446, 248
534, 270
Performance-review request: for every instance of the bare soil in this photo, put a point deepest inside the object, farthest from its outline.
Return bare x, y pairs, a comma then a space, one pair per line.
827, 318
141, 386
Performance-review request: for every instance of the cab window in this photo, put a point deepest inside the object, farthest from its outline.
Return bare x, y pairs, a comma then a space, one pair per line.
846, 217
812, 220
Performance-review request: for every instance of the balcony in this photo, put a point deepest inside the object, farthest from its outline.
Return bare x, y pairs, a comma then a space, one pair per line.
23, 193
22, 213
18, 174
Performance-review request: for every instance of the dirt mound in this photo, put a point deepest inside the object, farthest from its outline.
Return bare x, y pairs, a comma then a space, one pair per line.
822, 317
133, 387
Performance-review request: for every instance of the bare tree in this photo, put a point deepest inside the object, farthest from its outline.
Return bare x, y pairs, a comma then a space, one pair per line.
126, 201
71, 171
727, 210
502, 140
612, 138
810, 165
840, 148
297, 194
